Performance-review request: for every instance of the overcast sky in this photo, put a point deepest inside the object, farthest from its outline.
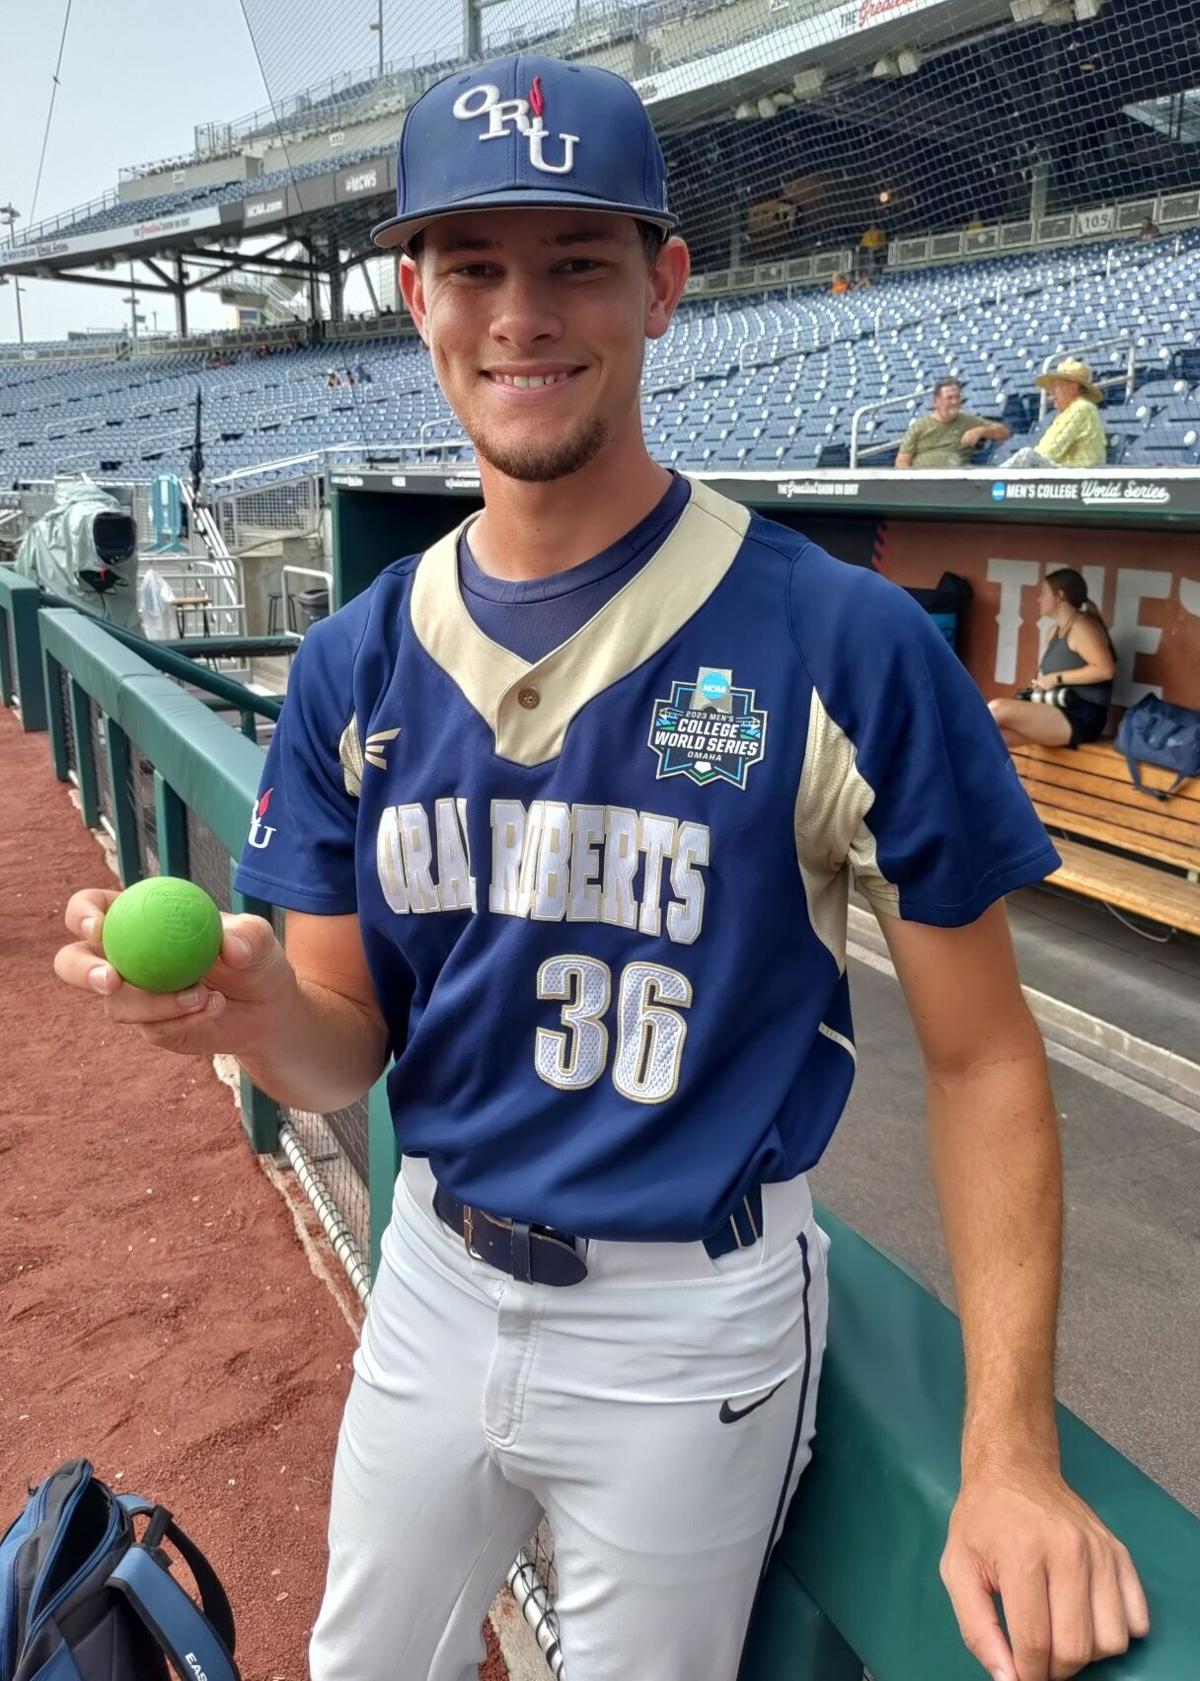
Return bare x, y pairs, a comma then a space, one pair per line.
135, 81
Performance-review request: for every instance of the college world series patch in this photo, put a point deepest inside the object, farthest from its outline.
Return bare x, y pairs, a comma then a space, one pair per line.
708, 729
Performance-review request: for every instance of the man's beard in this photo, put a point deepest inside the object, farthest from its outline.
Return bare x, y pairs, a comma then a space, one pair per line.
542, 463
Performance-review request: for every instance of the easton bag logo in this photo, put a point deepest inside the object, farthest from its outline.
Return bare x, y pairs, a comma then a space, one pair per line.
708, 730
485, 101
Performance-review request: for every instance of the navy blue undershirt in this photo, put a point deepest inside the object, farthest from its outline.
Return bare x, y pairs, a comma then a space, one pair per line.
532, 616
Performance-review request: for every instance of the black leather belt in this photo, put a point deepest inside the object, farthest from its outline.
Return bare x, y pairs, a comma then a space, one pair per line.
543, 1255
532, 1254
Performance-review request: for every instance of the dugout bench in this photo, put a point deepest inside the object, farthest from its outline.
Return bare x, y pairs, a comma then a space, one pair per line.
1085, 795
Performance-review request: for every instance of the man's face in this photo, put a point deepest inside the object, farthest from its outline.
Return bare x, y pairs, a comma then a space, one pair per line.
947, 402
537, 323
1063, 392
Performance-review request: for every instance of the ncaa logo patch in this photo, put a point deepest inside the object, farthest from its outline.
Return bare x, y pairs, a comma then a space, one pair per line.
708, 730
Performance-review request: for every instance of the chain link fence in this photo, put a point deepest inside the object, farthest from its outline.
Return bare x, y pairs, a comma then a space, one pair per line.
250, 519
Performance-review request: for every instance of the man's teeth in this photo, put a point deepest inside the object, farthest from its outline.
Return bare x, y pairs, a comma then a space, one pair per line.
524, 382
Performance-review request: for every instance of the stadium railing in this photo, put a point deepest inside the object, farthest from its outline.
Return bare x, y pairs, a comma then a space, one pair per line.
854, 1578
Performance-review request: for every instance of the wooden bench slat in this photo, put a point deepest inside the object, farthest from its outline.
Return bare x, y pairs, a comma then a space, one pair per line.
1130, 886
1057, 818
1109, 791
1087, 792
1101, 759
1144, 832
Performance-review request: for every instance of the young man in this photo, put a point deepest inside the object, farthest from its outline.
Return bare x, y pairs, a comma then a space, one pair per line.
950, 435
564, 812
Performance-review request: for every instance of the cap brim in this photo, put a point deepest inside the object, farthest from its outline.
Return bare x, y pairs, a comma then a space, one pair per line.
398, 230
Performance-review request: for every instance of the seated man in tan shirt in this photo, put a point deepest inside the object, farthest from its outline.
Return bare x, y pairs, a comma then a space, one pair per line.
949, 436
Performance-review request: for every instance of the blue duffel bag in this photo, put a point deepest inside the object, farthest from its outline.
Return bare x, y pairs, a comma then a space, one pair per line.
1155, 732
83, 1599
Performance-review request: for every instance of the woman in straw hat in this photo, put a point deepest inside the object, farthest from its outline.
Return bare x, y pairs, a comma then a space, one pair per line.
1075, 437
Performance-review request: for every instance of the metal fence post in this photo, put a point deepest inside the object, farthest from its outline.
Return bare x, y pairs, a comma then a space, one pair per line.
170, 822
260, 1113
383, 1164
129, 863
85, 756
8, 692
53, 697
24, 605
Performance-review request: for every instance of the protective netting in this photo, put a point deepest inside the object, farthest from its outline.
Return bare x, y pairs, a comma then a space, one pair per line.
793, 126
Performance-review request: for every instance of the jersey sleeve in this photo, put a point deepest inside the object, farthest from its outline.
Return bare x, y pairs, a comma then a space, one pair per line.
907, 779
300, 848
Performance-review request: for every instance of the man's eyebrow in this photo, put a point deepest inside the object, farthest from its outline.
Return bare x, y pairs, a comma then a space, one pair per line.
580, 236
478, 242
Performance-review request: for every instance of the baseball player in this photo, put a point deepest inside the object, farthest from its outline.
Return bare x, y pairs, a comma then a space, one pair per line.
564, 812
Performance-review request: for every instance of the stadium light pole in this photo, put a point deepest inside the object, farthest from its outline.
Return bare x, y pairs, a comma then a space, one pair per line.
377, 29
9, 216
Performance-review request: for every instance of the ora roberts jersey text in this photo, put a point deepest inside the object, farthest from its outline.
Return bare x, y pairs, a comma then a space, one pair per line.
550, 861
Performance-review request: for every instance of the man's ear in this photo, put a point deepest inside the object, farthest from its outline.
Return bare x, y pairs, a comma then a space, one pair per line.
412, 290
668, 277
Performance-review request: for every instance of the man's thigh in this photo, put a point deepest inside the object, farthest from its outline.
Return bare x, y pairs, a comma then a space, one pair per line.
422, 1526
665, 1513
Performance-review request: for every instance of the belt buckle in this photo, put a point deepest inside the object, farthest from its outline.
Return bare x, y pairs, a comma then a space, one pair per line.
469, 1232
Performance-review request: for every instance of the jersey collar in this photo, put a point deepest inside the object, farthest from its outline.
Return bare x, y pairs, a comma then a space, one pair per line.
630, 628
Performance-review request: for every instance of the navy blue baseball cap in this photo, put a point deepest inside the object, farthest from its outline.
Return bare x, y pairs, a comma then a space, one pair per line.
526, 132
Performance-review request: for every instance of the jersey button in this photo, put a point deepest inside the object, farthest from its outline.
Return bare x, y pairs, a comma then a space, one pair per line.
528, 698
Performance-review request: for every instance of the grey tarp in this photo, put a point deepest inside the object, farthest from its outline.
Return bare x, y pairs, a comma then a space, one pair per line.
60, 546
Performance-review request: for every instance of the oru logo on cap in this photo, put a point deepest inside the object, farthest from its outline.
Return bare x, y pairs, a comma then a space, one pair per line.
485, 101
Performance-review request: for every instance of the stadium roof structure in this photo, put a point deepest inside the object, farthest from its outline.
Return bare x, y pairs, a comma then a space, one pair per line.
961, 104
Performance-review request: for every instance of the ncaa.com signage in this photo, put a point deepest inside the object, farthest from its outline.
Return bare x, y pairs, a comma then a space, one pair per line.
136, 233
263, 209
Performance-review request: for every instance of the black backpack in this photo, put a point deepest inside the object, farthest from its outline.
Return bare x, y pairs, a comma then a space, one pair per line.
82, 1599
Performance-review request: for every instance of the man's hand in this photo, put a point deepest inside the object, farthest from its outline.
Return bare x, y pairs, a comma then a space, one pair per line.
973, 436
1070, 1593
232, 1009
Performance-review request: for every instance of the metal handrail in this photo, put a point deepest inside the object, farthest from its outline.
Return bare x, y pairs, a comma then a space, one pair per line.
873, 408
425, 443
1129, 378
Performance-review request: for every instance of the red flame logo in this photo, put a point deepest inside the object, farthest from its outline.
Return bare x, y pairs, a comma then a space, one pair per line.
261, 808
536, 102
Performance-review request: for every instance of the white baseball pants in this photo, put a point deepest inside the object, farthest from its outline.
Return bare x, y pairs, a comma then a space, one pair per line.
660, 1413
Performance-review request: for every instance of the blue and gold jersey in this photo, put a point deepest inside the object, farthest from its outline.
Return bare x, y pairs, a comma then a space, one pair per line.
603, 896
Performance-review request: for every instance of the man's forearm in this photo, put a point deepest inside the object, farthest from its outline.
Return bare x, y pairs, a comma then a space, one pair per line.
324, 1052
997, 1167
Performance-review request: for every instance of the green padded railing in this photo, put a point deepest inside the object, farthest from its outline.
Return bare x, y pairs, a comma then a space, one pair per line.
854, 1579
20, 649
867, 1527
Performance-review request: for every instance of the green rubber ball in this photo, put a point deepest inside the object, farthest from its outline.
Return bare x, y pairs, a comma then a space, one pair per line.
162, 934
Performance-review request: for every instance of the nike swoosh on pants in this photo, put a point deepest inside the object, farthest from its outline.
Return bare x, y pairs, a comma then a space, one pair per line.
730, 1415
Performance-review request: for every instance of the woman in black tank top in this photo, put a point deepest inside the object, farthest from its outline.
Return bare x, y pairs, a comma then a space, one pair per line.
1067, 702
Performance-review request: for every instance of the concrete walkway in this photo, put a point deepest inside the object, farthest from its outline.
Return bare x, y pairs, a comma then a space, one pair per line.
1130, 1324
